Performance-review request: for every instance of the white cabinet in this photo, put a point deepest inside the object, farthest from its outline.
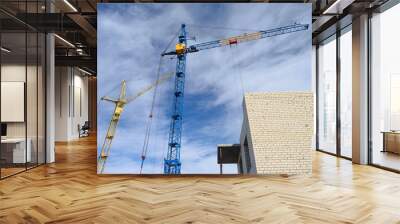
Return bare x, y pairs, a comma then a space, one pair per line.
19, 153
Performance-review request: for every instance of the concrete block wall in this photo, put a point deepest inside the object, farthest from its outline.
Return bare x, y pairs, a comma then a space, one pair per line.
278, 128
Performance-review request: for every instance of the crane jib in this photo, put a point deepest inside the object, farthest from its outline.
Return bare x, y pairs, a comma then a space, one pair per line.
239, 39
247, 37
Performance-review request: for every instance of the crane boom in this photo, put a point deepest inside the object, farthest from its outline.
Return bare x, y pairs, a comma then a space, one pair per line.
119, 107
172, 163
242, 38
164, 78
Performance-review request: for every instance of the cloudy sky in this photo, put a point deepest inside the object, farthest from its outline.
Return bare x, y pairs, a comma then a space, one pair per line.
130, 40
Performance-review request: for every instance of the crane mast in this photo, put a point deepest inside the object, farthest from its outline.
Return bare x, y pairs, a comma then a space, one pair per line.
172, 162
119, 107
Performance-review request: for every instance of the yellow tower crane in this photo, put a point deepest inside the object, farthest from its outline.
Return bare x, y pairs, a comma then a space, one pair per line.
119, 107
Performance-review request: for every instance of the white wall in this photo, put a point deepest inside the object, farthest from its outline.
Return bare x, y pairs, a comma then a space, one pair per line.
81, 100
33, 126
12, 101
279, 129
71, 102
16, 73
62, 81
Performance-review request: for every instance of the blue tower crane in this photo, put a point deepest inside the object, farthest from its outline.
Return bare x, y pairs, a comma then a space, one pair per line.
172, 163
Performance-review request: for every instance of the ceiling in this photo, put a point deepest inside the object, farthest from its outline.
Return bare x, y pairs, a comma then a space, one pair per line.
75, 21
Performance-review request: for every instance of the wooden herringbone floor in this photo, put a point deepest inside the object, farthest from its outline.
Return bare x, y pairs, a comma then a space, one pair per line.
69, 191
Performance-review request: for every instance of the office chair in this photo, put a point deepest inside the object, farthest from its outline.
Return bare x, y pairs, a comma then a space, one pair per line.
84, 130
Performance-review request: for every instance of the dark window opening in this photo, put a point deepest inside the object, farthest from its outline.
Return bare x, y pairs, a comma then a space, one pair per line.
247, 155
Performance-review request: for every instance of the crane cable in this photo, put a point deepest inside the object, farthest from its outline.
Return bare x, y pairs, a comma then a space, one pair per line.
236, 65
150, 120
150, 117
239, 69
236, 62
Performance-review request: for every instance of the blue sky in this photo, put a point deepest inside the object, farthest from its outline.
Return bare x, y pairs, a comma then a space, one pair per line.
132, 36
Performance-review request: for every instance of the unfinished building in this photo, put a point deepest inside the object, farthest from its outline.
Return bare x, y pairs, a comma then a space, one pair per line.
276, 135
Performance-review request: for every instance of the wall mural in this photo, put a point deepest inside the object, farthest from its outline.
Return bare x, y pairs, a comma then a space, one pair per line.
172, 77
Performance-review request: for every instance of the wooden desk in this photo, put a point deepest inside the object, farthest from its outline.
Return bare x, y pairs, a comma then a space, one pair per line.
391, 141
19, 155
